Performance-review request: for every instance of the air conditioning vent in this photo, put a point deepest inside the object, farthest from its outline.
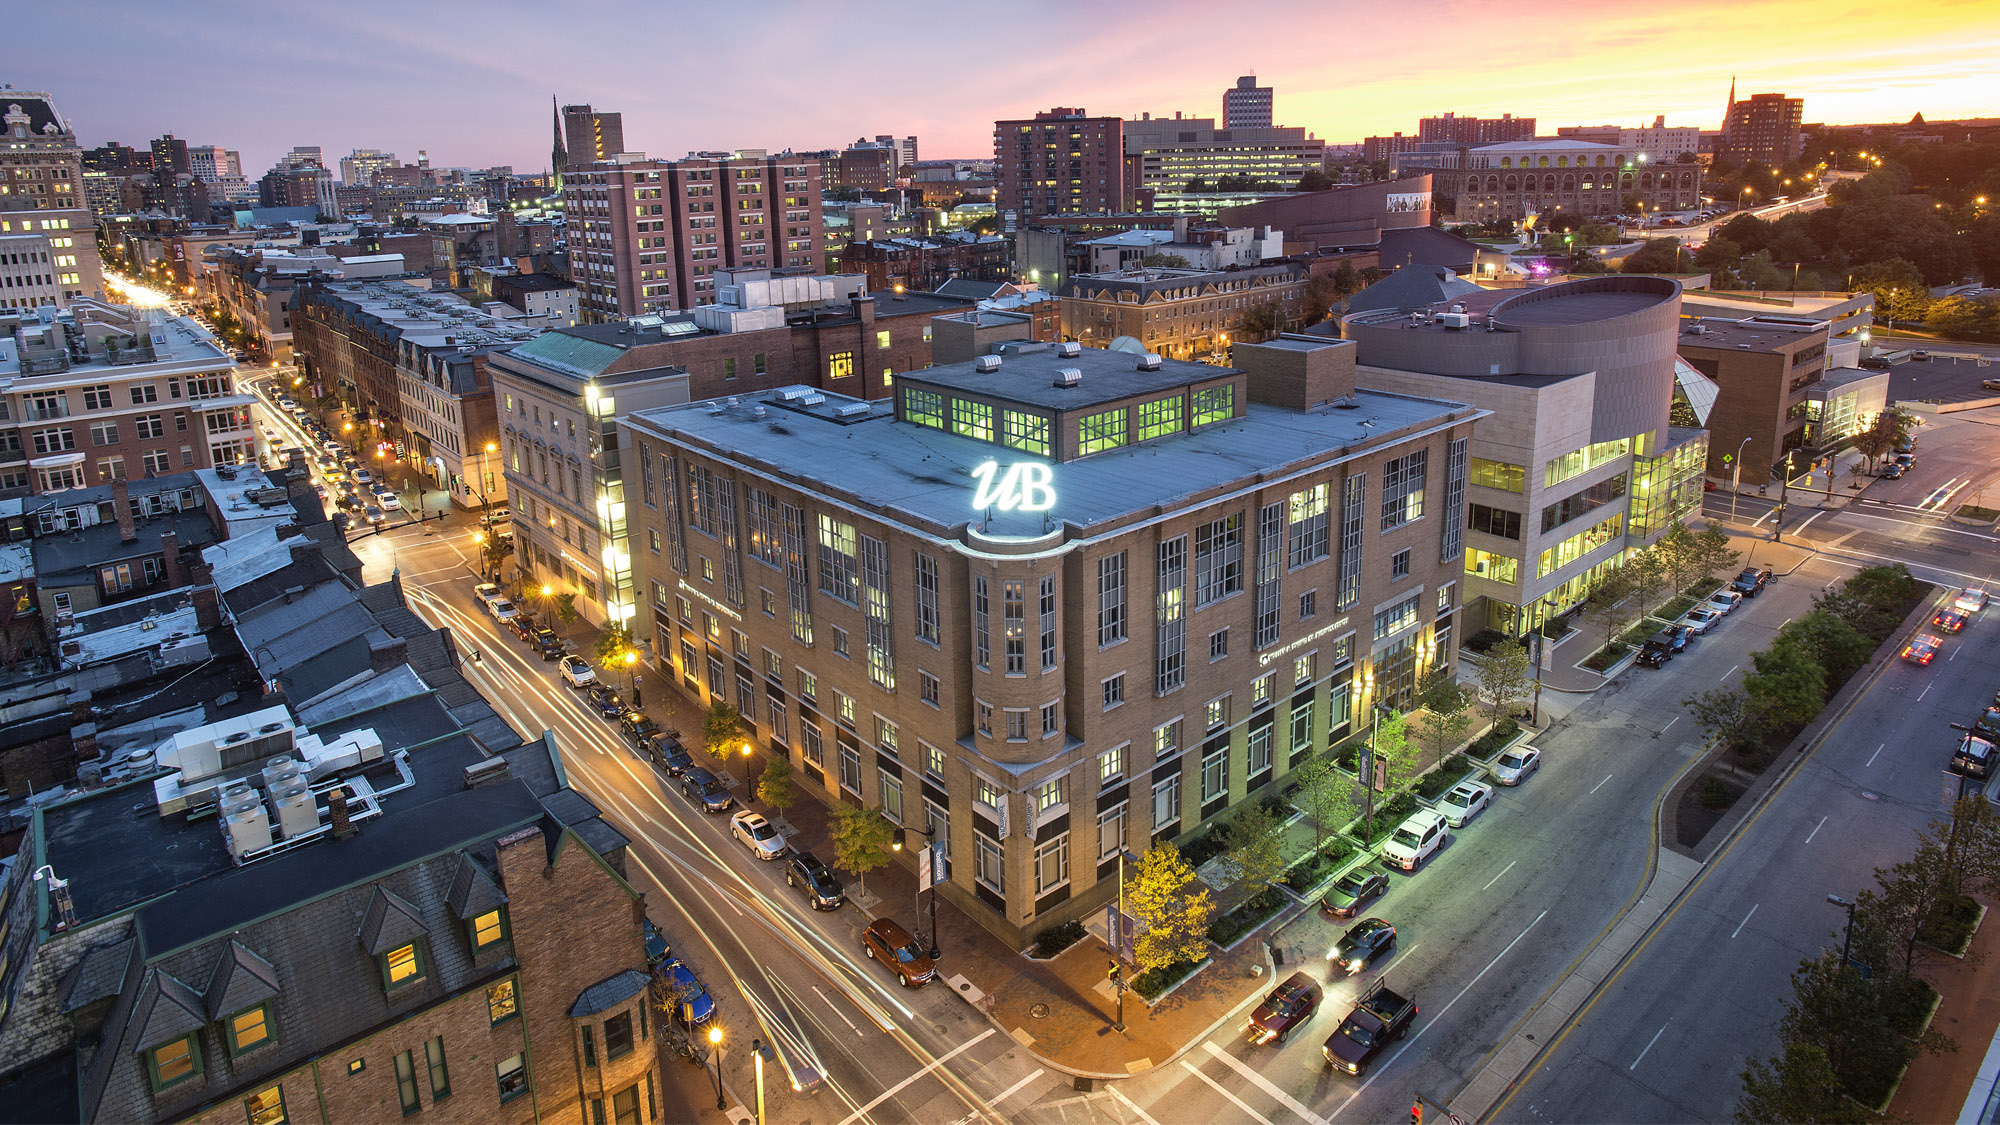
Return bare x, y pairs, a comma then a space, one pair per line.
852, 410
986, 364
1069, 377
1149, 362
1069, 349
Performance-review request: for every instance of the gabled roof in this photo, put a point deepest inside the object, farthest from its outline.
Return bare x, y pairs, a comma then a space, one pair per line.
167, 1009
473, 891
99, 975
241, 979
608, 993
390, 922
1412, 287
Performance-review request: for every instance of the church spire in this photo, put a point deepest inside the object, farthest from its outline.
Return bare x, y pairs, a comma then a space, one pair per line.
558, 157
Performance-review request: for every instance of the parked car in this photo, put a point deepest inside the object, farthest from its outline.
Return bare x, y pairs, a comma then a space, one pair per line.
522, 625
759, 835
379, 489
692, 1004
606, 700
1891, 472
486, 593
822, 887
1920, 355
504, 609
1354, 890
657, 949
1923, 648
1516, 764
1751, 581
1464, 801
342, 521
577, 672
1362, 944
1653, 656
1906, 461
1416, 839
1701, 619
546, 642
1973, 758
637, 726
390, 501
1950, 620
1726, 601
1288, 1005
1379, 1018
887, 941
705, 790
1972, 599
668, 754
1987, 725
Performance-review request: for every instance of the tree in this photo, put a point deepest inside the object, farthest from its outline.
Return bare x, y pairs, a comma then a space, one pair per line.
1172, 910
1395, 756
721, 730
566, 608
1725, 714
1798, 1086
1165, 261
1261, 320
1503, 677
1314, 180
1879, 440
1787, 688
1196, 186
1325, 796
1346, 282
1604, 605
1649, 577
1656, 255
1839, 648
1898, 286
1718, 252
612, 645
1838, 1011
776, 788
1255, 837
1676, 553
862, 840
1321, 293
1709, 551
1446, 716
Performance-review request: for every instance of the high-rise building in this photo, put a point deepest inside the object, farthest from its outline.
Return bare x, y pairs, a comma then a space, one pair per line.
42, 189
1454, 129
170, 155
589, 136
213, 162
1761, 129
358, 168
302, 155
648, 235
1061, 162
1247, 105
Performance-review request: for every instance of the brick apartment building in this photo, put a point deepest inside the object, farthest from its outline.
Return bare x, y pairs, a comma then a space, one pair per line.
926, 263
1072, 601
1183, 314
648, 235
1761, 129
1062, 161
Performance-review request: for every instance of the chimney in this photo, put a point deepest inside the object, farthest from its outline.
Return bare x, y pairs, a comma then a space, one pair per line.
864, 307
170, 551
303, 551
336, 811
1297, 379
388, 654
121, 506
207, 607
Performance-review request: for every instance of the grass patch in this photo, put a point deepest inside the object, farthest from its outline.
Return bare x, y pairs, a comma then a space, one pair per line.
1055, 939
1907, 1001
1673, 610
1713, 794
1307, 873
1637, 634
1490, 743
1152, 982
1254, 912
1604, 658
1442, 778
1950, 926
1347, 755
1204, 848
1388, 816
1975, 512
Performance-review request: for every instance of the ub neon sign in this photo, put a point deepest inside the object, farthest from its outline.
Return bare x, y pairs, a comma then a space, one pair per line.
1024, 487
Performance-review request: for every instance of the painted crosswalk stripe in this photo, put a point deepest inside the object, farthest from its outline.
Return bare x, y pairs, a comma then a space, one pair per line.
1220, 1089
1266, 1085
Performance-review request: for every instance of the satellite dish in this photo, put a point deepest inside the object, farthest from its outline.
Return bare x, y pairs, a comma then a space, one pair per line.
1130, 345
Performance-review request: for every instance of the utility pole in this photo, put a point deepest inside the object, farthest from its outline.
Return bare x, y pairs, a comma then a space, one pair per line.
1118, 946
1784, 491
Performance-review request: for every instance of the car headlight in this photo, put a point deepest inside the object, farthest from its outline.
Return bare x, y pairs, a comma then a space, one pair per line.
1357, 965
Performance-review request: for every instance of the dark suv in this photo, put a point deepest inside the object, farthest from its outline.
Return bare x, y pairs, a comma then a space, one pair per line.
1751, 582
822, 888
637, 727
546, 642
705, 790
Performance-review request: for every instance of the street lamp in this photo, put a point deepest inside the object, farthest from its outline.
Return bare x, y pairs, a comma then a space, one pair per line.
632, 677
749, 783
715, 1056
929, 860
1736, 480
1846, 937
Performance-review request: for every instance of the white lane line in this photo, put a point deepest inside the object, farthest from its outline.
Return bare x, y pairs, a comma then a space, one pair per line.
1921, 694
1800, 530
1600, 785
1016, 1087
1670, 724
1649, 1045
1224, 1091
1375, 1072
1732, 671
1815, 831
837, 1011
892, 1091
1740, 925
1266, 1085
1503, 872
1878, 751
1128, 1103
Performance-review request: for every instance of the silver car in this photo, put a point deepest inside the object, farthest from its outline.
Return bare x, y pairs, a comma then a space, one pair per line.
757, 834
1464, 801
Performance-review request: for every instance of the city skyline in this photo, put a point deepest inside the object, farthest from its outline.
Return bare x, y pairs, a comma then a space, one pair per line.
374, 76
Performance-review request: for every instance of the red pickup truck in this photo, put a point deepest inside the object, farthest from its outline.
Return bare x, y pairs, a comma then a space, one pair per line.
1289, 1005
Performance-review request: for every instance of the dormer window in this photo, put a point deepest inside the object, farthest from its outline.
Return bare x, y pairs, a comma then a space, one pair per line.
402, 965
249, 1029
174, 1062
489, 929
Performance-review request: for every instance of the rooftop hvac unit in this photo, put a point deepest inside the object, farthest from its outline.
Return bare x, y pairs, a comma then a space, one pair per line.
237, 798
297, 814
986, 363
758, 411
813, 399
792, 394
282, 772
1069, 377
248, 830
1149, 362
1069, 349
1455, 319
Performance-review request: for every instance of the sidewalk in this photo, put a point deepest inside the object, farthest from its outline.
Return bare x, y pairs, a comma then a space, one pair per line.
1937, 1086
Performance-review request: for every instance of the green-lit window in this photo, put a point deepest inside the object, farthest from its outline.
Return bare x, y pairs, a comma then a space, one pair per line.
925, 408
1158, 419
1214, 404
489, 928
1027, 432
972, 419
1498, 474
402, 966
249, 1029
173, 1062
1099, 432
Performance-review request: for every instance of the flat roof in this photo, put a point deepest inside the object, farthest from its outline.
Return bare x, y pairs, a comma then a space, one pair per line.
1744, 336
1029, 378
1576, 308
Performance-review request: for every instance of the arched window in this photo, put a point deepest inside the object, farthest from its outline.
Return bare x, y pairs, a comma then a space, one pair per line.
1512, 184
1549, 182
1542, 162
1569, 183
1600, 160
1492, 183
1562, 161
1506, 162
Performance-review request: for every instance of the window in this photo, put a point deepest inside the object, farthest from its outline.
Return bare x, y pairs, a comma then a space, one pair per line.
1302, 725
1499, 474
402, 966
927, 598
1399, 564
1403, 489
989, 865
933, 760
1166, 802
766, 545
1017, 724
1158, 419
266, 1106
1259, 751
512, 1075
439, 1075
1099, 432
248, 1030
1048, 623
844, 707
1307, 516
1579, 545
1308, 604
406, 1083
1262, 689
1499, 568
1218, 559
1215, 774
618, 1036
104, 433
838, 574
1582, 503
174, 1062
925, 408
850, 769
143, 393
1214, 404
1451, 540
1496, 521
972, 419
98, 397
1579, 461
1051, 718
1170, 638
982, 641
1167, 740
987, 794
1305, 669
501, 1003
589, 1046
149, 426
1353, 492
927, 688
1052, 864
489, 928
839, 640
1114, 691
892, 795
1014, 629
810, 746
1026, 432
982, 716
1396, 618
1110, 599
625, 1104
840, 365
1215, 713
808, 686
1111, 765
1111, 831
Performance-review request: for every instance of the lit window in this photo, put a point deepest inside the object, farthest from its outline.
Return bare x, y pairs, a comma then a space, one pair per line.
489, 928
174, 1062
249, 1029
401, 966
501, 1003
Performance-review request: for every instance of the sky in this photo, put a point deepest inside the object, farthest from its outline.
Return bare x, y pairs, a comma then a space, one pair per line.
472, 83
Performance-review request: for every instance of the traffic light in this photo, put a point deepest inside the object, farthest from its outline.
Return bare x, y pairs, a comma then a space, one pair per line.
1113, 973
1417, 1112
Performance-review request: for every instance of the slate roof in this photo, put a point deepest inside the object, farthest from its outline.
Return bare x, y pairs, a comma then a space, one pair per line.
390, 923
98, 975
241, 979
608, 993
79, 553
1412, 287
473, 891
1427, 246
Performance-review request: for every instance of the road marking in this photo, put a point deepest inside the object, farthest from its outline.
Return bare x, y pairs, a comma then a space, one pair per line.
837, 1011
1224, 1091
1128, 1103
1670, 724
1785, 622
892, 1091
1266, 1085
1815, 831
1921, 694
1739, 926
1506, 869
1878, 751
1016, 1087
1800, 530
1649, 1045
1732, 671
1607, 777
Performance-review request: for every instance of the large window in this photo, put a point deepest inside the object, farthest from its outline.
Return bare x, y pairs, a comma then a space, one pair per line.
1579, 461
1111, 831
1499, 474
406, 1083
1158, 419
766, 544
1166, 802
1215, 773
174, 1061
972, 419
982, 611
1014, 628
1218, 559
266, 1107
927, 597
1048, 623
1352, 492
512, 1074
838, 574
1486, 564
618, 1036
1403, 489
1214, 404
989, 865
501, 1003
1099, 432
1026, 432
1395, 618
925, 408
440, 1076
1583, 503
1170, 609
1493, 521
1579, 545
1051, 864
1110, 599
1307, 517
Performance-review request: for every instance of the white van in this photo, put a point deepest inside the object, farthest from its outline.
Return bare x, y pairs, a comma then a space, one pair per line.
1416, 838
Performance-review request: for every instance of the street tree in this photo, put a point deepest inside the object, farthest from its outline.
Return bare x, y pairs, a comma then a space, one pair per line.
1326, 796
1649, 577
721, 730
1503, 678
1710, 551
1725, 714
1261, 320
1787, 686
1604, 606
1837, 1010
1255, 838
612, 645
1676, 552
1314, 180
1164, 261
566, 608
1396, 756
775, 787
1171, 908
1838, 647
1879, 440
1797, 1086
862, 840
1445, 715
1655, 255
